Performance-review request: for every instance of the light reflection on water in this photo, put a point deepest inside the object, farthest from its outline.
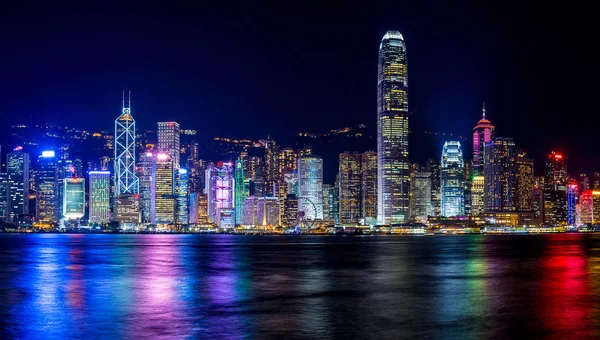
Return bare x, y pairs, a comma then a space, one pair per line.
221, 286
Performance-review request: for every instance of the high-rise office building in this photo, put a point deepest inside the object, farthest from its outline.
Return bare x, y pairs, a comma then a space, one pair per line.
326, 202
433, 166
47, 205
420, 196
169, 139
290, 211
181, 196
99, 197
483, 134
17, 168
500, 175
392, 131
74, 198
146, 170
477, 195
220, 191
126, 182
586, 200
555, 190
198, 208
240, 191
164, 177
452, 179
271, 166
4, 197
525, 183
128, 210
310, 187
350, 187
572, 194
369, 186
584, 182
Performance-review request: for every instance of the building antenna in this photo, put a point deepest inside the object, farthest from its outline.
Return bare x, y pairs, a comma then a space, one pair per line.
130, 99
483, 110
123, 100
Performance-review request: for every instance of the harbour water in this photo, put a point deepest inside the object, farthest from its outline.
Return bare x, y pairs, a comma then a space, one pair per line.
111, 286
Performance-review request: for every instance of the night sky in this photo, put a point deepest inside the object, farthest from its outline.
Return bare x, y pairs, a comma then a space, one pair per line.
248, 71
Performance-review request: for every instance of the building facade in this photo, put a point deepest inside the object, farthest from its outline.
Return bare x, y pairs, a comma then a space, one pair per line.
169, 139
420, 196
500, 175
46, 198
99, 197
310, 187
17, 169
350, 176
74, 198
452, 179
392, 131
181, 197
164, 176
220, 191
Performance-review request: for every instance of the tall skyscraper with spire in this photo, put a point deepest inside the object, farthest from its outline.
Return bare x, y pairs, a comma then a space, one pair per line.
126, 181
483, 134
392, 131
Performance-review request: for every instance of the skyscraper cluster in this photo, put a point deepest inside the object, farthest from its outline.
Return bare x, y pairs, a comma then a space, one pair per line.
163, 183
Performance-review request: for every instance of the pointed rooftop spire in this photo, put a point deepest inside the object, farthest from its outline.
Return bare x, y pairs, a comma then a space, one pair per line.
129, 100
123, 100
483, 110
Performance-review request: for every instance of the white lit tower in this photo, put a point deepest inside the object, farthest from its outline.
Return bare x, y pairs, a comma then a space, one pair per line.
392, 131
126, 182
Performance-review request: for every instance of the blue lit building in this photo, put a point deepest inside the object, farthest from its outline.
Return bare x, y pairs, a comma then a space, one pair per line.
181, 196
46, 199
572, 204
452, 179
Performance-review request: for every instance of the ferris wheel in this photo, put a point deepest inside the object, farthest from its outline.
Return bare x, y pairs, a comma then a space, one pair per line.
307, 213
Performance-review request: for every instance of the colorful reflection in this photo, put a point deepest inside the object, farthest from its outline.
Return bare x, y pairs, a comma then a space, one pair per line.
565, 300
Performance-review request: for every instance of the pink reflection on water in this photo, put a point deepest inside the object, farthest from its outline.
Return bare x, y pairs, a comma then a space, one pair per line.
159, 307
565, 297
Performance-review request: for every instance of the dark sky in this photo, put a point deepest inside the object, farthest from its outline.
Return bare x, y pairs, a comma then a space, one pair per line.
248, 70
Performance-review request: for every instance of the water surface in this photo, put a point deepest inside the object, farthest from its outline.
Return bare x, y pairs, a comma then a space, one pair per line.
56, 286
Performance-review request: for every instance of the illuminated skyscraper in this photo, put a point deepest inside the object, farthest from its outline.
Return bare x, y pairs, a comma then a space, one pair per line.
126, 182
169, 139
47, 205
271, 166
433, 166
74, 198
350, 184
452, 179
584, 181
369, 186
420, 196
240, 191
587, 205
477, 195
4, 197
572, 203
500, 175
146, 170
310, 187
220, 189
483, 134
555, 190
164, 176
17, 168
392, 131
525, 183
181, 196
99, 195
